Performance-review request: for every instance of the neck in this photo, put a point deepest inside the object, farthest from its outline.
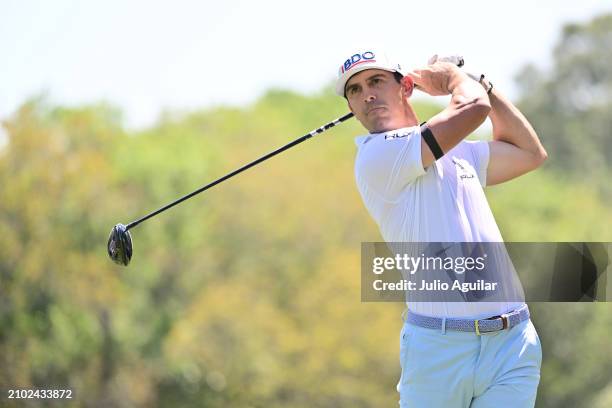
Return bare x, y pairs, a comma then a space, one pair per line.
411, 117
408, 119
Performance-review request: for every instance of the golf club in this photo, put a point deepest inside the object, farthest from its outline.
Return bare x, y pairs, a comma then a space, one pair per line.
120, 247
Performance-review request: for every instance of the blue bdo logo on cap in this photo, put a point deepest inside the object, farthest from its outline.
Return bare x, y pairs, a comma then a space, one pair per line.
357, 59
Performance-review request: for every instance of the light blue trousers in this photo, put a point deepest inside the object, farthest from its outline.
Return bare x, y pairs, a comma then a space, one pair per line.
463, 370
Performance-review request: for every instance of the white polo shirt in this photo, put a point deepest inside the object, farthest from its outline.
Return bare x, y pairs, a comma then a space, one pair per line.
444, 203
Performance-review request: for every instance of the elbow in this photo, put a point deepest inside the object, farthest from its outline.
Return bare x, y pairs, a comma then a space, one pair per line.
539, 157
542, 157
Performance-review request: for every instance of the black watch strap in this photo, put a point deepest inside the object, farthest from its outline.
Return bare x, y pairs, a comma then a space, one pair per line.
431, 141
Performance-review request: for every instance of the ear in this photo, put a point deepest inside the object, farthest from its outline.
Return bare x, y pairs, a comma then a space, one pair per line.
349, 105
407, 85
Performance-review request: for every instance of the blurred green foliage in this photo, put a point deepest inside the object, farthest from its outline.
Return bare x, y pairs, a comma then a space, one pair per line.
570, 102
247, 296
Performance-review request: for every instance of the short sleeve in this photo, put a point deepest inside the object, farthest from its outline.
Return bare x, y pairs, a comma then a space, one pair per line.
479, 150
388, 165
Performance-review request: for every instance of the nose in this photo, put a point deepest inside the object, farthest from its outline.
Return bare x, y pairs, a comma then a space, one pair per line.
370, 97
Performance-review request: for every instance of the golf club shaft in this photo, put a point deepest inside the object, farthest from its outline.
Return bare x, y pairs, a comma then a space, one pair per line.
243, 168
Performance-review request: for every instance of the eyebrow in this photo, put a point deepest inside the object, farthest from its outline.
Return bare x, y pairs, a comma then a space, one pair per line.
351, 86
374, 77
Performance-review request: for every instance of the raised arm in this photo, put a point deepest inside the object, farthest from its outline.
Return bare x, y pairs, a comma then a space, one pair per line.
515, 149
467, 110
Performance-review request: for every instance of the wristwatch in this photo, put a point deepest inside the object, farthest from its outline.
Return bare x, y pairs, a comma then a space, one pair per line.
486, 84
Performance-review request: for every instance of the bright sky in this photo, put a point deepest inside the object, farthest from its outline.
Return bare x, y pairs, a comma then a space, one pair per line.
146, 56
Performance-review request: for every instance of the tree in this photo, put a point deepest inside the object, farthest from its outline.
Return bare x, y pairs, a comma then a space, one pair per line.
570, 104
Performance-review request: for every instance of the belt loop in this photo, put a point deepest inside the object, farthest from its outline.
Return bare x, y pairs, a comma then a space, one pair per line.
444, 325
404, 314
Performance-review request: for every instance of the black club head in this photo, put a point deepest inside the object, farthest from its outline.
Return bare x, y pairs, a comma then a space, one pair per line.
120, 245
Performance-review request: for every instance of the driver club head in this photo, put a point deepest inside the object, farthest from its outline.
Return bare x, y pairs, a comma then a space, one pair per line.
120, 245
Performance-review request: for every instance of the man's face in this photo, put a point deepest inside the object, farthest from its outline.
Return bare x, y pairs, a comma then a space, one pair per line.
378, 101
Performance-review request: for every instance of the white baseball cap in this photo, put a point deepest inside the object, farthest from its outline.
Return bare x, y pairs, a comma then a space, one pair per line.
361, 61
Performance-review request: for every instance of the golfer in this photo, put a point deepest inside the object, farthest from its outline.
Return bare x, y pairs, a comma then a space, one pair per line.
424, 183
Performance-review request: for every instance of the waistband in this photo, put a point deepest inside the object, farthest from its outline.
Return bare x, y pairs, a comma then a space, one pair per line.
481, 326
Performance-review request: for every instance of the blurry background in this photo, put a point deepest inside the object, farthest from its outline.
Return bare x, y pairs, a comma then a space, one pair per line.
249, 296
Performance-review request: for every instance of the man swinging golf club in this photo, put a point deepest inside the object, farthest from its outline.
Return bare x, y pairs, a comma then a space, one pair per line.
425, 184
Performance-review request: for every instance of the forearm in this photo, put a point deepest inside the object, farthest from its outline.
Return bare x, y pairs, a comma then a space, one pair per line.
511, 126
468, 108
